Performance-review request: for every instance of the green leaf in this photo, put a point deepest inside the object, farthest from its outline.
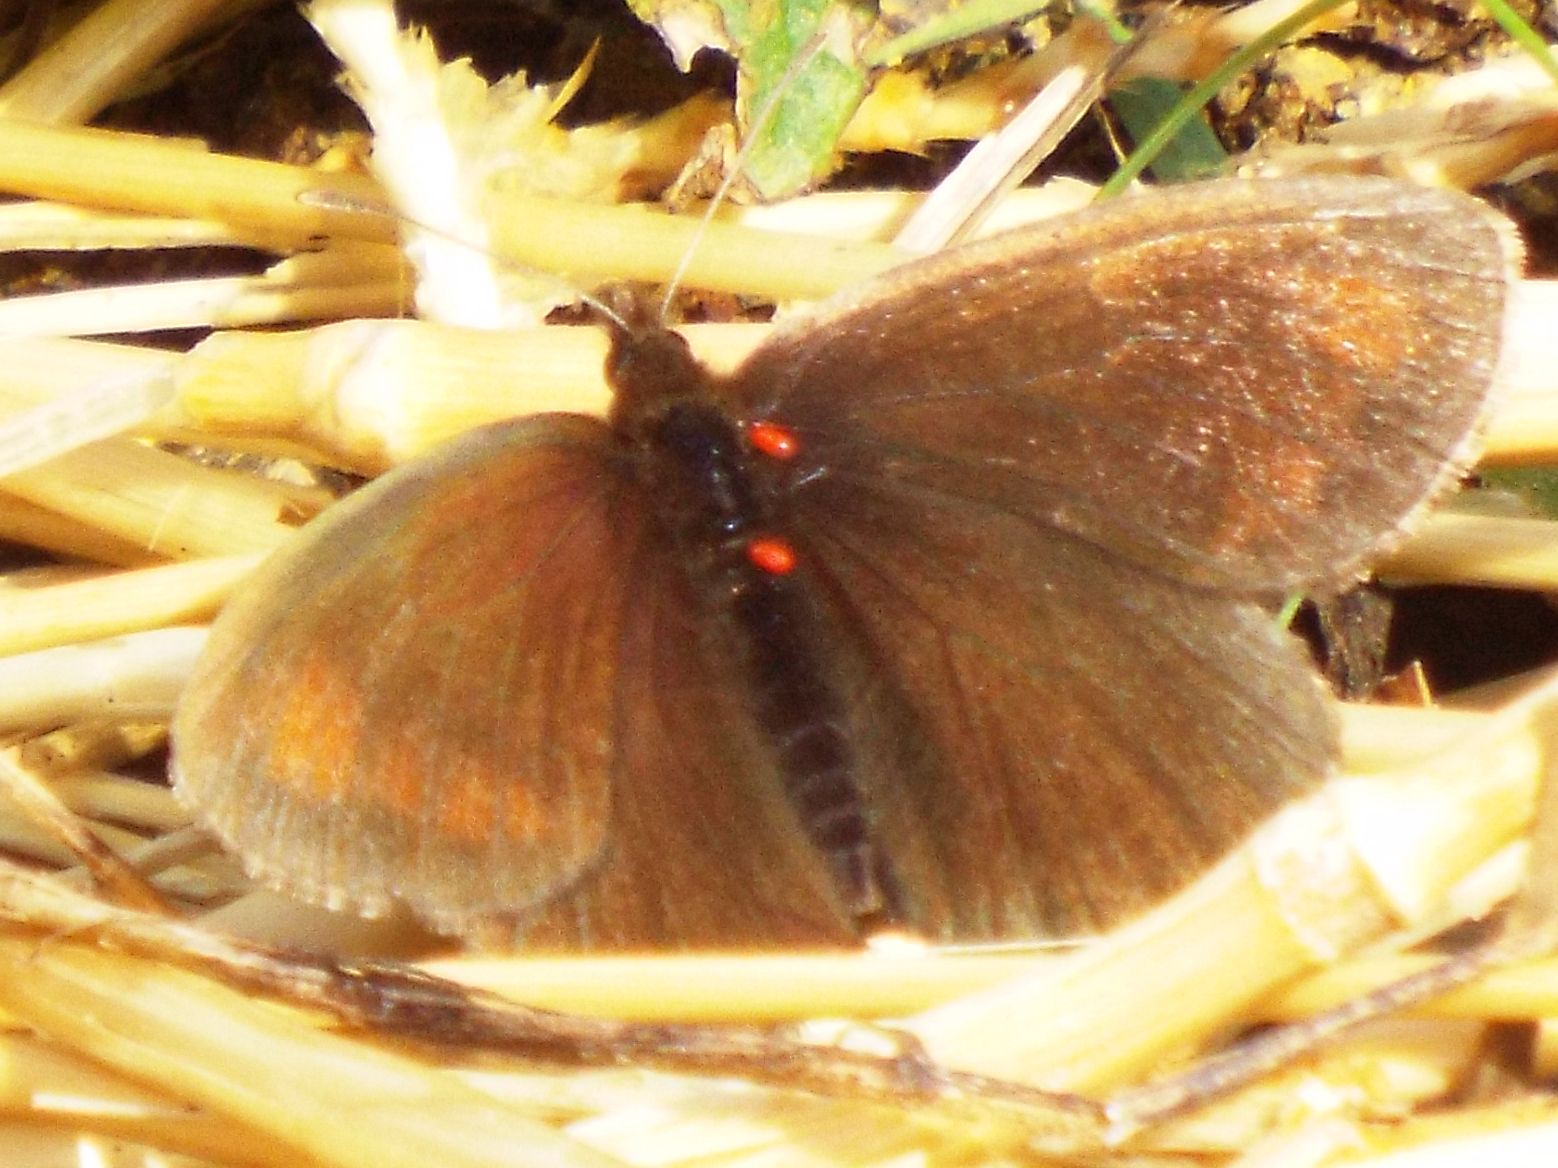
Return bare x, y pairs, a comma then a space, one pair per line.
1193, 151
800, 77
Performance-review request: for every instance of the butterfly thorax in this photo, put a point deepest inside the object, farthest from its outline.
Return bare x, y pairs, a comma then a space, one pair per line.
711, 495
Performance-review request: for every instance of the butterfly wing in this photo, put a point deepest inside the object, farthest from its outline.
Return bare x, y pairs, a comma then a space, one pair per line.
1087, 737
705, 850
400, 705
480, 687
1243, 385
1047, 526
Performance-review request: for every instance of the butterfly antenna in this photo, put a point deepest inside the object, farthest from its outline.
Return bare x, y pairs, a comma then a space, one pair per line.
331, 200
765, 114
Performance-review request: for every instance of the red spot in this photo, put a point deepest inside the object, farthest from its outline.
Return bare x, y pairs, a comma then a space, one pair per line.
772, 555
773, 440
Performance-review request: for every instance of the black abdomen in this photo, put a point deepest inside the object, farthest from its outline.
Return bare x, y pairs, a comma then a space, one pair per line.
714, 507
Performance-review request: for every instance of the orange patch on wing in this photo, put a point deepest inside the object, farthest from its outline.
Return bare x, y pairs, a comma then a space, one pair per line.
467, 808
399, 779
1287, 471
475, 806
1357, 324
317, 732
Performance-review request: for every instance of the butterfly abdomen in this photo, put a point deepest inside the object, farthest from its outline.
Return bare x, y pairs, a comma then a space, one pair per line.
717, 506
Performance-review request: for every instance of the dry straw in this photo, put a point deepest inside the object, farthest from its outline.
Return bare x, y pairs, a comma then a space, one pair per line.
121, 1021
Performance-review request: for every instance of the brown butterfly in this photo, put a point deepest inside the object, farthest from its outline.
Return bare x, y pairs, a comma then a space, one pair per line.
949, 609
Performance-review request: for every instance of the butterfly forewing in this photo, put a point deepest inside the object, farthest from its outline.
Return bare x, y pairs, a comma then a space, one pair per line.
1241, 385
353, 740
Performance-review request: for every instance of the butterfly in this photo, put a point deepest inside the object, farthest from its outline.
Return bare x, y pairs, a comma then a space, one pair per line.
948, 610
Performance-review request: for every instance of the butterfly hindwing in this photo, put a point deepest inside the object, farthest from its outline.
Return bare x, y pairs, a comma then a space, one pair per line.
705, 849
1090, 739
